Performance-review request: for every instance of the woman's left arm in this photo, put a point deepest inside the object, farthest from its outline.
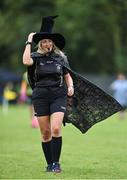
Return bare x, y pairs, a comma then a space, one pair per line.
69, 82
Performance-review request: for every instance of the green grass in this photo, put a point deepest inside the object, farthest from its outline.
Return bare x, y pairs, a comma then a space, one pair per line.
101, 153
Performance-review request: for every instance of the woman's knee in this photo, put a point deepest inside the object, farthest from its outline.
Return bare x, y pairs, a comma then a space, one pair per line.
56, 131
46, 135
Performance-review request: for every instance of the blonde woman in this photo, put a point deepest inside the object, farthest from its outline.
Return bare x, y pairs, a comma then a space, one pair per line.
52, 85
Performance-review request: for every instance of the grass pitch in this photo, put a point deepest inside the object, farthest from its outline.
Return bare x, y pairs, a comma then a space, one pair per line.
101, 153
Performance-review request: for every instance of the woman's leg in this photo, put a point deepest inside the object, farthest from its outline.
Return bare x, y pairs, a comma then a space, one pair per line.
56, 127
44, 124
56, 120
45, 128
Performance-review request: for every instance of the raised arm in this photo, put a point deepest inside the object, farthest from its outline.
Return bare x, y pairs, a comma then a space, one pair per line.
27, 60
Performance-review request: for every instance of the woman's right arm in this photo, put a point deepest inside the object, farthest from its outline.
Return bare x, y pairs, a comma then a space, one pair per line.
27, 60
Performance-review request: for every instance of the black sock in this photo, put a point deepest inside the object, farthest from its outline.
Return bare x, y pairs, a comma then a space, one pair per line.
46, 146
56, 148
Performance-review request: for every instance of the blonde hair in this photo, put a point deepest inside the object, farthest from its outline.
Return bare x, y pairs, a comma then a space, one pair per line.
55, 49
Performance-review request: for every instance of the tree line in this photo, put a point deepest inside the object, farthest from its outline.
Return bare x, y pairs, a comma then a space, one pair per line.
95, 32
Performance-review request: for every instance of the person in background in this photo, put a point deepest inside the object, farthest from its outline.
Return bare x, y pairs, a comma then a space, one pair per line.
9, 95
52, 85
25, 96
119, 88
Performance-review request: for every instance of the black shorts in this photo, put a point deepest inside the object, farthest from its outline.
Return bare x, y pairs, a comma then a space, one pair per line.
47, 101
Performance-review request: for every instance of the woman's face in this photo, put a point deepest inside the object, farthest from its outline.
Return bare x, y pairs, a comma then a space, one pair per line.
47, 45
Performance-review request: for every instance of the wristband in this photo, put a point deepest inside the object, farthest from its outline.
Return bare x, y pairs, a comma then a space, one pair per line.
28, 42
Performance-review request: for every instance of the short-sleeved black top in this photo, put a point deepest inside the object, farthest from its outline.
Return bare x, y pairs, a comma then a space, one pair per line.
49, 72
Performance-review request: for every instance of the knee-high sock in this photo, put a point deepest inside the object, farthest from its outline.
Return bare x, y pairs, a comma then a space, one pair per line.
56, 148
46, 147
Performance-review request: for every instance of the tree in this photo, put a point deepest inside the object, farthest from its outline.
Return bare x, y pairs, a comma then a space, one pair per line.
18, 19
95, 31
